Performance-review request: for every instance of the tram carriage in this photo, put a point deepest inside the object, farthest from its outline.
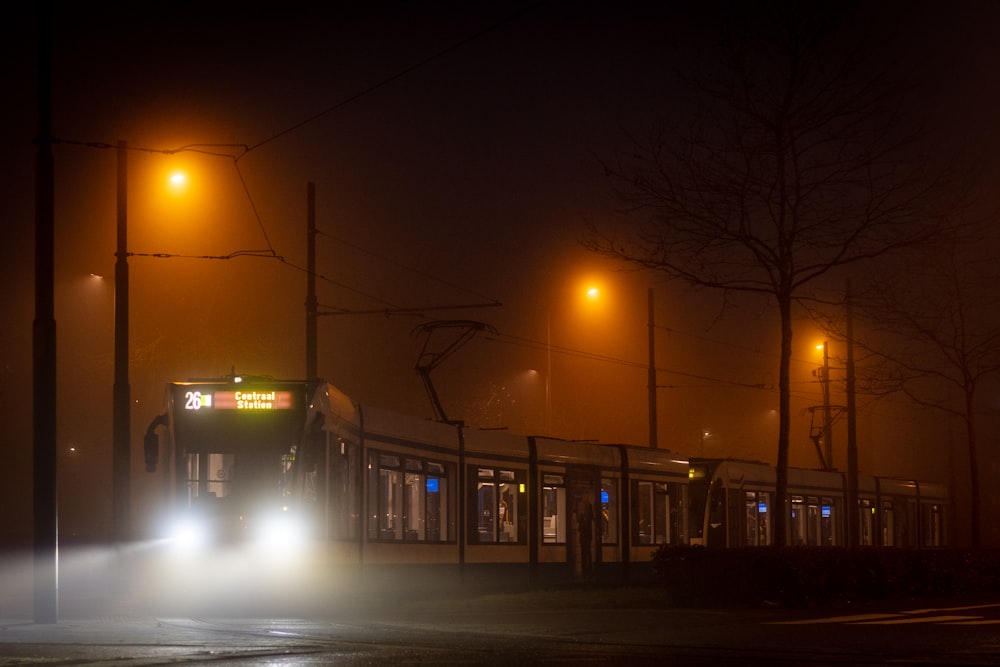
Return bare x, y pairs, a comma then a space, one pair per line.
732, 503
260, 459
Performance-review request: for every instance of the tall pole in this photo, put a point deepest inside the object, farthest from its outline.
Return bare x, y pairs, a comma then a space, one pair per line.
652, 375
312, 306
45, 500
853, 520
827, 419
121, 449
548, 372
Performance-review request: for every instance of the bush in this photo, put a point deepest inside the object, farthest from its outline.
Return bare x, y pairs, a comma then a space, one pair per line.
804, 576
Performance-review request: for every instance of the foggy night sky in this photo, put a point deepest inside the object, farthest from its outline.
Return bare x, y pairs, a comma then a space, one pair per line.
455, 156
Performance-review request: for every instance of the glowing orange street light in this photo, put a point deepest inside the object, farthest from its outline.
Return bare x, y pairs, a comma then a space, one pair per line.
178, 182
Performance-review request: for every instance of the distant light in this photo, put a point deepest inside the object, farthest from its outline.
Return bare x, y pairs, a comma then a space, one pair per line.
96, 276
820, 346
593, 293
237, 379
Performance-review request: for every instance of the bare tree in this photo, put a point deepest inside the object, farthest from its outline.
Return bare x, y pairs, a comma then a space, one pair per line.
933, 333
795, 163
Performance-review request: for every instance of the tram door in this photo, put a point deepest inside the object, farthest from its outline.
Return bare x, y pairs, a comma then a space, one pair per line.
583, 539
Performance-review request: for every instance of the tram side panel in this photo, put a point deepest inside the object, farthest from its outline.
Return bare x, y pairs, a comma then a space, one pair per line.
933, 503
497, 498
733, 505
659, 507
409, 489
911, 513
331, 479
387, 484
578, 486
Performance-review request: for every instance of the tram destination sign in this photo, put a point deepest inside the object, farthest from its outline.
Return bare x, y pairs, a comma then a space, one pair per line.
240, 400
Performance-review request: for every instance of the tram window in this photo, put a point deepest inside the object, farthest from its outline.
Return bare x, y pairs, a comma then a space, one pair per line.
553, 509
406, 502
661, 501
286, 466
609, 511
933, 530
437, 503
812, 522
193, 474
498, 506
678, 515
659, 513
209, 476
798, 521
910, 525
486, 506
644, 512
389, 503
414, 505
827, 522
888, 524
757, 529
866, 514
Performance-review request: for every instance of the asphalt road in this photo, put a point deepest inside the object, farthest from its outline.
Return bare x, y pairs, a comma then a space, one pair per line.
233, 611
488, 631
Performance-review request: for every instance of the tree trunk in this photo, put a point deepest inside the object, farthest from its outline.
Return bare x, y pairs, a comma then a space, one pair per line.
970, 425
780, 507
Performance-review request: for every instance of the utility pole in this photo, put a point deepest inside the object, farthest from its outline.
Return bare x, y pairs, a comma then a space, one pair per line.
121, 455
311, 304
853, 519
827, 420
652, 375
45, 499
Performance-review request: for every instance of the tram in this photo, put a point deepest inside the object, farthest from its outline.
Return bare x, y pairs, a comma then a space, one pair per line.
280, 462
733, 502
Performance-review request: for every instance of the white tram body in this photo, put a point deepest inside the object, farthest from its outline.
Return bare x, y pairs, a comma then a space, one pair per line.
377, 488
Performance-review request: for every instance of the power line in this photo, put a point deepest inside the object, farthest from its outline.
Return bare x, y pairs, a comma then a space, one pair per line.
406, 267
538, 345
398, 75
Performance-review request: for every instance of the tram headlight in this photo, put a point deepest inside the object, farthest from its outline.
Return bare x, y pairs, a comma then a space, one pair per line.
187, 534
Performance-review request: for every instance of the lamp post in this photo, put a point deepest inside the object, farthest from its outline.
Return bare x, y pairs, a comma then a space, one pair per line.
651, 379
121, 456
44, 492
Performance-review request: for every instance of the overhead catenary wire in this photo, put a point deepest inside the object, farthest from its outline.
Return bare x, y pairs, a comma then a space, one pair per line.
398, 75
243, 149
236, 152
568, 351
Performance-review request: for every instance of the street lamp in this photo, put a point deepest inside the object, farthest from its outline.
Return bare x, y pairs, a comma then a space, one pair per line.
121, 454
593, 294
